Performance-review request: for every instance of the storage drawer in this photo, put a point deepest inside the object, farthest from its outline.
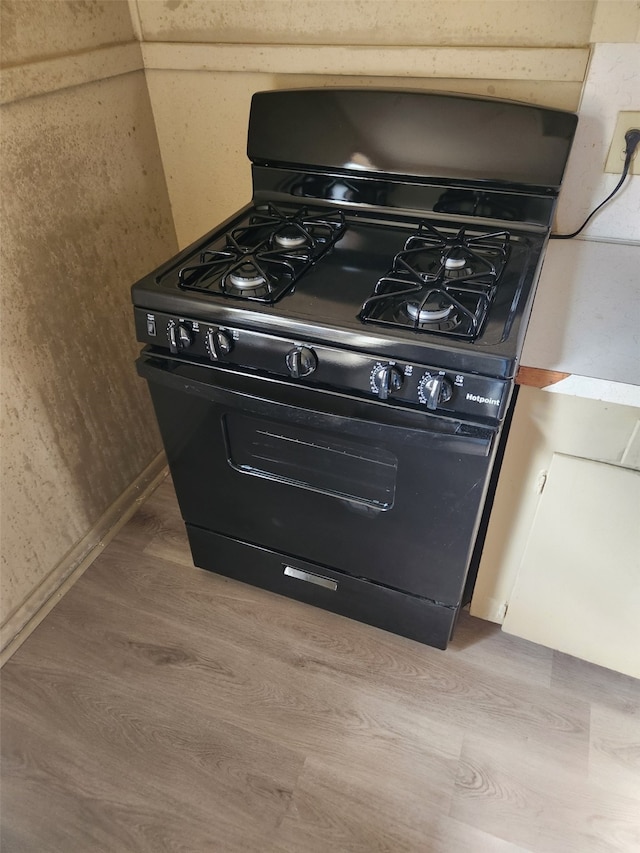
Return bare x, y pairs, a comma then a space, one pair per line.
409, 615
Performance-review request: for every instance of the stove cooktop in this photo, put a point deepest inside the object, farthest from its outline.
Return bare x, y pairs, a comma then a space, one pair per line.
358, 278
379, 224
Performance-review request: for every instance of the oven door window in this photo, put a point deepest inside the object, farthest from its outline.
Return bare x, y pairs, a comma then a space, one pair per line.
310, 459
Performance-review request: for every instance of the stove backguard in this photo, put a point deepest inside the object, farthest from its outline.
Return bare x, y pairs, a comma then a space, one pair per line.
424, 136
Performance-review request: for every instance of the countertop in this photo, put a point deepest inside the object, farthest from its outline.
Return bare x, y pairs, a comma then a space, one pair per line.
583, 337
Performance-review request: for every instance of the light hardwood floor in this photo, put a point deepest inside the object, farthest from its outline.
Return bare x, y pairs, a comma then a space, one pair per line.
163, 708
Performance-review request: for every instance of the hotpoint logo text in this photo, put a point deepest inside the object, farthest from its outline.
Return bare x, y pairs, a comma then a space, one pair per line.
475, 398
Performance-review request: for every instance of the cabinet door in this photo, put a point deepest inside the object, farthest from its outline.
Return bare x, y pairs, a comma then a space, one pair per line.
578, 585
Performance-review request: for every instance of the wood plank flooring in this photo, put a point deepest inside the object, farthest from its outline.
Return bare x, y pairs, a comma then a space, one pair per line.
159, 707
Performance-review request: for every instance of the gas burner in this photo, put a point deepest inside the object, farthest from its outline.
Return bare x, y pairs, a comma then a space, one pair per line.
441, 282
457, 263
443, 309
246, 276
270, 227
290, 238
432, 310
452, 263
458, 254
263, 257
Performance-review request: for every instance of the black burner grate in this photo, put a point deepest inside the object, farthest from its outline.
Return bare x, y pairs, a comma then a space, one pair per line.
440, 282
262, 259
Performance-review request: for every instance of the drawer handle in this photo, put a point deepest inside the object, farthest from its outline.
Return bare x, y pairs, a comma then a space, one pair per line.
327, 583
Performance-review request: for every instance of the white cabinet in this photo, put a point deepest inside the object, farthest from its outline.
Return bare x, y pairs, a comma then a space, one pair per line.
578, 584
561, 562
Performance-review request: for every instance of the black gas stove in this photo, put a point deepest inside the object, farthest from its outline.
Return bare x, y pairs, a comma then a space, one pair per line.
332, 366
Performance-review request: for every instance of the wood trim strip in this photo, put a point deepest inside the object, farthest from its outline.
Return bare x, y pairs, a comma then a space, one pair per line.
537, 377
558, 64
51, 75
46, 595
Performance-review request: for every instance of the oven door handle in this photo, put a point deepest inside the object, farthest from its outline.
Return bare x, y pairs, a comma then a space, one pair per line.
320, 408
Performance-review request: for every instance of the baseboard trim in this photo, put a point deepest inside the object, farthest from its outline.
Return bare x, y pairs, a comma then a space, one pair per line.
48, 593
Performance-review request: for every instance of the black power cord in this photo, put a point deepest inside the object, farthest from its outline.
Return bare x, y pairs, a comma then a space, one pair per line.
632, 138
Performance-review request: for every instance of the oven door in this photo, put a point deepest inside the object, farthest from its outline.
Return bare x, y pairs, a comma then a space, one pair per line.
390, 495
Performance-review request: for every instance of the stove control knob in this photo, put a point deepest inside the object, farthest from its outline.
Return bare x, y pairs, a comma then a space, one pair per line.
180, 336
387, 379
219, 343
434, 390
301, 361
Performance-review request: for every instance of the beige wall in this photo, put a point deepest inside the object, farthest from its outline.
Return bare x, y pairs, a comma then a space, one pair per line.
612, 86
84, 213
616, 21
561, 23
204, 60
37, 29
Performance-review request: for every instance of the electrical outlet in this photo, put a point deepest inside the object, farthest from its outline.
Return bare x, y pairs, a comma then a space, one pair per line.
615, 159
